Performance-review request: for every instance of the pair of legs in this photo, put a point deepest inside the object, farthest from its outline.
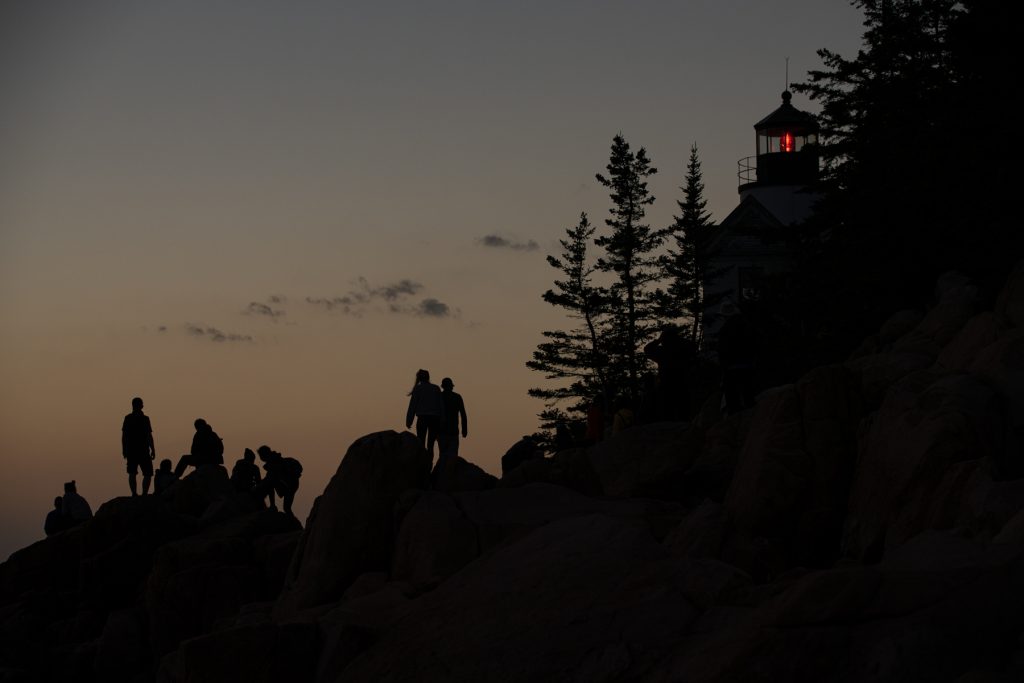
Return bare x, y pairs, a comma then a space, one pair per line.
267, 488
427, 427
447, 450
136, 463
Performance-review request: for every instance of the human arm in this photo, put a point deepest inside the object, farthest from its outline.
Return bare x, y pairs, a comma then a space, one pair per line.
411, 412
465, 423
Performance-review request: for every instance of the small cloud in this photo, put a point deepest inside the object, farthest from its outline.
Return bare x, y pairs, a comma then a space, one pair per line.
397, 290
213, 334
162, 328
277, 299
357, 301
256, 308
433, 308
499, 242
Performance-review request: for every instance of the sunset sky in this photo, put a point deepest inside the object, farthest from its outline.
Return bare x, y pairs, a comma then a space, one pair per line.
270, 214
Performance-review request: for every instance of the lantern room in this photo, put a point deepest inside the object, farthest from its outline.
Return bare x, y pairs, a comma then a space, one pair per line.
787, 149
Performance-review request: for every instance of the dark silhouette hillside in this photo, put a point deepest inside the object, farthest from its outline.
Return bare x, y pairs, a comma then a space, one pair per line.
865, 523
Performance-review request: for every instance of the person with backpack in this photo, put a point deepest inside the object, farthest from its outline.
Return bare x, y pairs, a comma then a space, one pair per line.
207, 449
282, 477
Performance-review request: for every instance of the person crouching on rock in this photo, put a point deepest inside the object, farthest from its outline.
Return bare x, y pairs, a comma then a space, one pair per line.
245, 476
164, 476
74, 507
282, 477
207, 449
55, 522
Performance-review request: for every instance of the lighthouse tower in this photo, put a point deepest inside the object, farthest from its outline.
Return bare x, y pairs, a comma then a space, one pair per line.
785, 165
775, 193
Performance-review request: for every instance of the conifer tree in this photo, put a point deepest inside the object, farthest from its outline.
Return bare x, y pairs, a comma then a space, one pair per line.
916, 179
688, 264
576, 355
630, 256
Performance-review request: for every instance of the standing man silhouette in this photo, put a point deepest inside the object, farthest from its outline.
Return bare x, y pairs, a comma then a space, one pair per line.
137, 446
448, 437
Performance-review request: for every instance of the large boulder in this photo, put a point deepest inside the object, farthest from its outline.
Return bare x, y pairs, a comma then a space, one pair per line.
796, 465
937, 609
351, 529
914, 462
462, 475
435, 541
504, 514
647, 460
957, 301
200, 580
590, 598
1010, 304
263, 652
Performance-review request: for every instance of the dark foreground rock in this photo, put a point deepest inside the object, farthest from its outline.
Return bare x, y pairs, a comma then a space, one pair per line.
865, 523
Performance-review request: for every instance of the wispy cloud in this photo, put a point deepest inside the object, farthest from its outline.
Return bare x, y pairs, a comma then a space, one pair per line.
256, 308
363, 296
214, 334
499, 242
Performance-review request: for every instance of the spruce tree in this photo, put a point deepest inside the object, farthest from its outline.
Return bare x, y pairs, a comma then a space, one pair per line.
916, 180
576, 355
630, 256
688, 264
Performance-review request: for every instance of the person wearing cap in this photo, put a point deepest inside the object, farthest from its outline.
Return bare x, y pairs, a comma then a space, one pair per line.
454, 411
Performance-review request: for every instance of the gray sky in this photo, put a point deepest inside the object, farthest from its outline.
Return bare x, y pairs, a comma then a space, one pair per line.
190, 192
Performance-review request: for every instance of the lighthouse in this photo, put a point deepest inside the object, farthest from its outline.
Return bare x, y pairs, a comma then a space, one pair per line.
785, 165
775, 188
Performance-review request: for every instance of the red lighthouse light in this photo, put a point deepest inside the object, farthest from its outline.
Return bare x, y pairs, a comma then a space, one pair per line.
786, 143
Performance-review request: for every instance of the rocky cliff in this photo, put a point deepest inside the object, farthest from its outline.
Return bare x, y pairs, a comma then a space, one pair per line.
865, 523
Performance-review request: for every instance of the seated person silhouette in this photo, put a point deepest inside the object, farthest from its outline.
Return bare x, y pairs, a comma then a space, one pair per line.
246, 474
164, 477
74, 507
55, 522
282, 477
207, 449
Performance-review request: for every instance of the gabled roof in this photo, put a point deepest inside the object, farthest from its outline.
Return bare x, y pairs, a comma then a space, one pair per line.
742, 232
751, 213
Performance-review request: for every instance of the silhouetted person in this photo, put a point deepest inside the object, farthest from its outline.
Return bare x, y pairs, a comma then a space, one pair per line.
521, 451
246, 473
74, 508
207, 449
454, 411
563, 437
137, 446
674, 355
737, 353
164, 477
426, 406
282, 477
55, 521
623, 418
595, 420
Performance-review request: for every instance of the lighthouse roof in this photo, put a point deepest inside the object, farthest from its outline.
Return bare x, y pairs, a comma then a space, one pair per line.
787, 116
